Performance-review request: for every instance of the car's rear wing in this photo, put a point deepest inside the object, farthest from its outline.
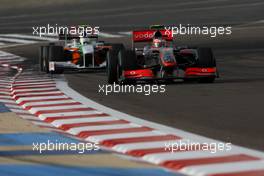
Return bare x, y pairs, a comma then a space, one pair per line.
75, 36
68, 36
147, 35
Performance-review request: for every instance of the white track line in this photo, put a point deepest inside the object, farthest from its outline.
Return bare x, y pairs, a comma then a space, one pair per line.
17, 40
23, 36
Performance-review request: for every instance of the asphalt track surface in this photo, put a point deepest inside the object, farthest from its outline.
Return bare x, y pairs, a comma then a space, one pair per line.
231, 109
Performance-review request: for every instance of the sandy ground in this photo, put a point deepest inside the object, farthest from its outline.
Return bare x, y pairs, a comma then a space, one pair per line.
10, 123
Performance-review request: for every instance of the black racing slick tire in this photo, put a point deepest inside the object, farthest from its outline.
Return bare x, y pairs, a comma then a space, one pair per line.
206, 59
41, 58
45, 59
49, 53
112, 63
129, 61
56, 53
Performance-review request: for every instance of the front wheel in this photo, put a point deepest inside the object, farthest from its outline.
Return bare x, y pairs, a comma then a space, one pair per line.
113, 63
206, 59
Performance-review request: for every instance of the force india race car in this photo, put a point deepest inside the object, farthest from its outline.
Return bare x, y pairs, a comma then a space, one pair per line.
77, 53
160, 59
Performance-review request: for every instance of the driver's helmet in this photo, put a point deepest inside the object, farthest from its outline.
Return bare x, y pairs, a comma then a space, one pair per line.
84, 40
157, 40
75, 43
92, 40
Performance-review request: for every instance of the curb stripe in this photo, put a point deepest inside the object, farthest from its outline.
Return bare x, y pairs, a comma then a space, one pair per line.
101, 138
34, 87
85, 134
77, 130
34, 110
112, 122
82, 120
37, 98
34, 91
33, 84
31, 89
21, 94
111, 143
51, 105
143, 152
63, 110
39, 95
179, 164
125, 148
44, 100
220, 168
248, 173
47, 102
43, 117
33, 81
51, 119
17, 86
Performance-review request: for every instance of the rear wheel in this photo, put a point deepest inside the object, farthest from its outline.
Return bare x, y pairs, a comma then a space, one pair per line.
41, 58
45, 59
49, 53
55, 53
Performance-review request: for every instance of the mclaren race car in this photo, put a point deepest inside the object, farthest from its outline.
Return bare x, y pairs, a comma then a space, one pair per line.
76, 53
161, 60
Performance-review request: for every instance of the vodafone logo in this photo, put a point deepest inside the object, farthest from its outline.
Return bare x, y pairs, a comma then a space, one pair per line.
144, 35
149, 34
204, 70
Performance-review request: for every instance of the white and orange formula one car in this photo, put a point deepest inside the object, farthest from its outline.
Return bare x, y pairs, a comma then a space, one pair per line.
81, 53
